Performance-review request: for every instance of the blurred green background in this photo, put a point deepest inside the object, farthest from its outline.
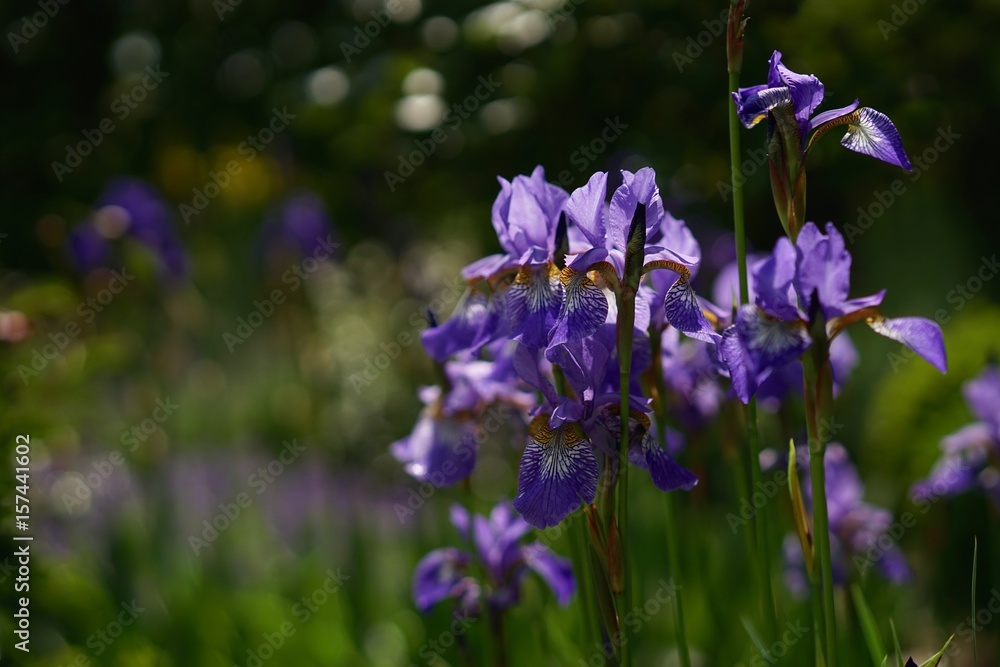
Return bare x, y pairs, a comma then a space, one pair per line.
366, 105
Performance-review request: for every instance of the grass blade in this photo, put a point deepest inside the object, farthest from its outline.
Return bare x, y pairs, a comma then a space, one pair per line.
895, 643
868, 626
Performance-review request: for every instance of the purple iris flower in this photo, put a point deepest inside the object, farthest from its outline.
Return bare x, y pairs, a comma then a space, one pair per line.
798, 287
559, 468
526, 217
970, 456
442, 448
787, 379
855, 526
129, 207
450, 572
301, 221
789, 101
603, 229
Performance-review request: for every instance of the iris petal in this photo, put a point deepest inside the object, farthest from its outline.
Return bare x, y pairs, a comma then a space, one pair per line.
558, 472
920, 335
584, 309
769, 343
753, 104
533, 303
872, 133
554, 571
667, 474
683, 312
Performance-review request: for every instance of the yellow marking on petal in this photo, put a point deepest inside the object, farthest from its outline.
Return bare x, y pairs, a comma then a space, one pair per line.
567, 435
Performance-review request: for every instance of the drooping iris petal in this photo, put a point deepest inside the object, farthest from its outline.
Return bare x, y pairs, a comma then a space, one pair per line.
733, 357
773, 280
558, 472
769, 343
440, 450
533, 304
584, 308
554, 571
437, 576
683, 311
870, 132
460, 331
823, 268
920, 335
667, 474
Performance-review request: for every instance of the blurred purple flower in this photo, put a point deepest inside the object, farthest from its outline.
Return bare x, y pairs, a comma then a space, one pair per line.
860, 535
133, 208
300, 222
448, 572
971, 455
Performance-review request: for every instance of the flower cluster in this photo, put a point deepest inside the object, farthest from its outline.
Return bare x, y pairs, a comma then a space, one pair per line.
545, 320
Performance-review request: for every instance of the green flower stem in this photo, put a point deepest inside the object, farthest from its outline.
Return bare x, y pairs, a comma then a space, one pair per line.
626, 323
816, 372
762, 560
584, 575
673, 555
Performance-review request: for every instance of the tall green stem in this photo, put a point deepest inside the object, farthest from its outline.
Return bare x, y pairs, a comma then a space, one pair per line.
816, 374
760, 519
673, 555
626, 322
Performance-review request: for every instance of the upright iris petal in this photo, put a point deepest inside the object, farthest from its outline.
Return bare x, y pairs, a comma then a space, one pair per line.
558, 472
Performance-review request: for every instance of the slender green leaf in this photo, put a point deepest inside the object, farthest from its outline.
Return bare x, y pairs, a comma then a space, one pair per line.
895, 643
936, 658
975, 558
868, 625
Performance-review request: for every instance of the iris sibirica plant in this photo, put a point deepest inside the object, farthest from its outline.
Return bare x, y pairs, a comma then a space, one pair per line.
587, 336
